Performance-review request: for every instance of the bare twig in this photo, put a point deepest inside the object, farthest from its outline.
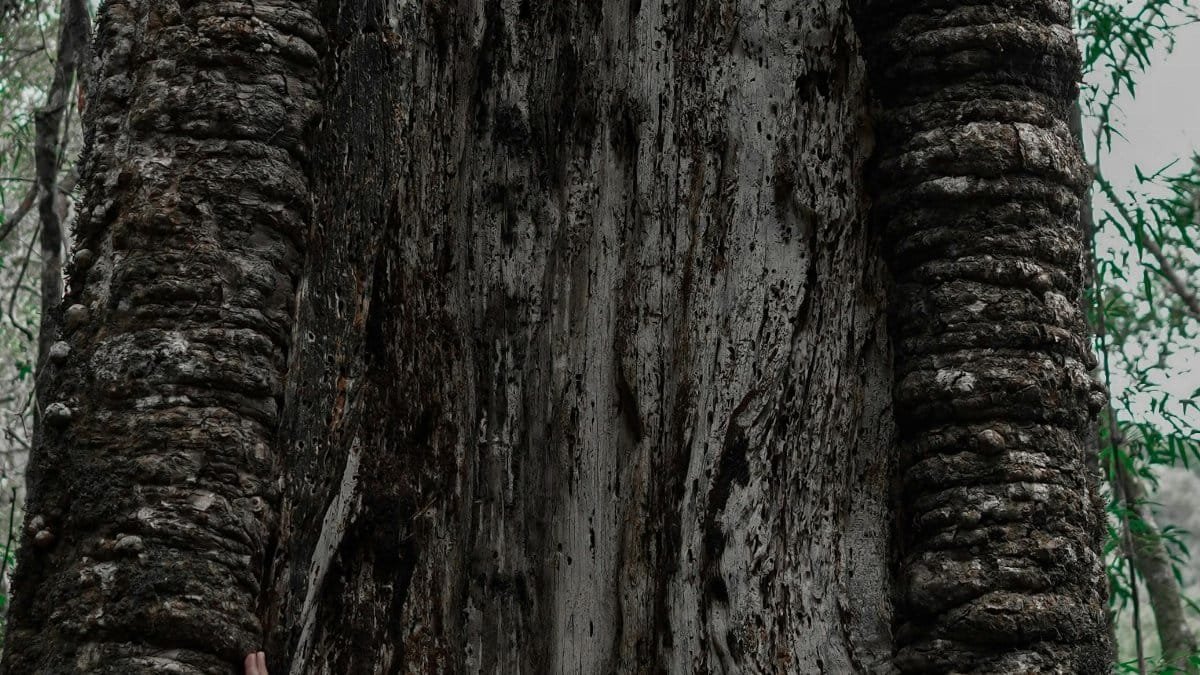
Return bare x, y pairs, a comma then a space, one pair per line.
11, 220
9, 435
12, 299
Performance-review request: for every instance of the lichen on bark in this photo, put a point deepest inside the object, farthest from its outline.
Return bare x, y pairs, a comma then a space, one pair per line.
978, 181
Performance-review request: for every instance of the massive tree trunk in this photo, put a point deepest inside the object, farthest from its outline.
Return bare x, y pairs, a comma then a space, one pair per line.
557, 345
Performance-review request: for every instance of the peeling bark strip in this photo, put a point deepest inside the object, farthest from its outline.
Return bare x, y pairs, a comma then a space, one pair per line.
980, 188
156, 484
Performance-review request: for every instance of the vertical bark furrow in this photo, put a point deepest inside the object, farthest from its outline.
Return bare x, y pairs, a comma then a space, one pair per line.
154, 491
978, 186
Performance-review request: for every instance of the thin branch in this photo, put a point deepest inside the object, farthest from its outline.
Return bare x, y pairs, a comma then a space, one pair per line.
12, 300
1174, 278
1168, 270
30, 399
11, 220
10, 436
10, 65
14, 218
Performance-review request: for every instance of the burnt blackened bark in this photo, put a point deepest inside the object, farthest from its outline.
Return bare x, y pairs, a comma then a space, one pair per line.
156, 482
979, 193
595, 374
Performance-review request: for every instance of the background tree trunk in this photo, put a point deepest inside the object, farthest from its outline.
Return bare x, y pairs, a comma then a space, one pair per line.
72, 51
980, 182
1153, 562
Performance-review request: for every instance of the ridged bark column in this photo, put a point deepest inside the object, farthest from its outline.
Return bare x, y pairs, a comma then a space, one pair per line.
979, 182
154, 489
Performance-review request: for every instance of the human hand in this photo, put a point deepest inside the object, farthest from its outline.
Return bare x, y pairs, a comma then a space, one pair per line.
256, 663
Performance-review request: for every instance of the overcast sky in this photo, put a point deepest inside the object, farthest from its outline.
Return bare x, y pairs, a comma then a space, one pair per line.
1160, 124
1163, 121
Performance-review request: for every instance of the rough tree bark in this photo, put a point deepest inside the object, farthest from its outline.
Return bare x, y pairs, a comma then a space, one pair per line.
980, 183
150, 491
559, 345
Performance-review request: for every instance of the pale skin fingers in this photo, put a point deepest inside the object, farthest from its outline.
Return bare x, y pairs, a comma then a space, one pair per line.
256, 663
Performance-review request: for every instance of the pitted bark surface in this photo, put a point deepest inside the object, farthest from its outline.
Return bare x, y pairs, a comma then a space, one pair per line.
155, 488
979, 184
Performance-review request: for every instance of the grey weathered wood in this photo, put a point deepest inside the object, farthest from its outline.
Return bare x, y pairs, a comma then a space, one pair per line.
599, 319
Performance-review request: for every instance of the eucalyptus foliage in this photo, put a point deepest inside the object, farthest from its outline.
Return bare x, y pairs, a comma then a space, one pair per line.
1146, 263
